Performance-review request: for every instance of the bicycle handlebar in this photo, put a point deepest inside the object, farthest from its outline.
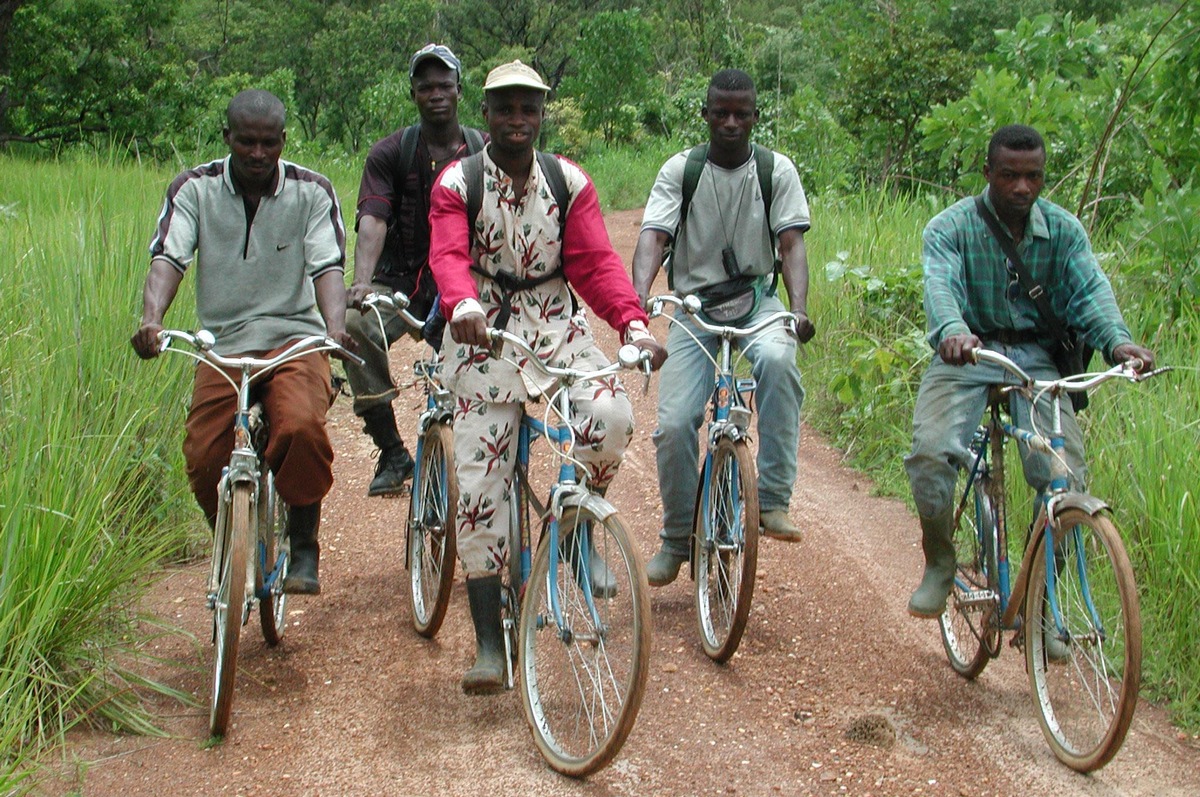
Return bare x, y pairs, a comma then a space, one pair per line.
1068, 384
629, 357
399, 302
203, 342
692, 306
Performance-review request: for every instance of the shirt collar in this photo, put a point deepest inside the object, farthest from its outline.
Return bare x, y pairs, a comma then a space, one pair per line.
227, 177
1036, 227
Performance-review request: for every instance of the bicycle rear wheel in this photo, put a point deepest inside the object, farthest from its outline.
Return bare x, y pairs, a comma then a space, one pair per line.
274, 558
583, 669
431, 513
229, 607
970, 634
725, 548
1085, 674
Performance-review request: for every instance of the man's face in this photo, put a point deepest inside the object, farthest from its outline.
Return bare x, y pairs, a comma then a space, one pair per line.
255, 144
514, 118
731, 116
1015, 178
435, 90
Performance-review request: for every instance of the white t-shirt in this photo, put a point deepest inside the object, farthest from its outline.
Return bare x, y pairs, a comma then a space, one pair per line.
726, 212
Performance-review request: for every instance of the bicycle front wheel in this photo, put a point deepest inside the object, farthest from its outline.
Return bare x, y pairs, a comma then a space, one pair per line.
229, 606
1083, 640
431, 513
725, 548
274, 558
970, 634
584, 642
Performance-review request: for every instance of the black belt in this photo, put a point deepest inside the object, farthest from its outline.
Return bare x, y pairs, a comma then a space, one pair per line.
1012, 337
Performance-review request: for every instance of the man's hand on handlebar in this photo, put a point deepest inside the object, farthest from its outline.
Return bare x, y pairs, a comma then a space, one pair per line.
658, 352
804, 327
346, 341
145, 341
1131, 351
956, 349
355, 295
469, 328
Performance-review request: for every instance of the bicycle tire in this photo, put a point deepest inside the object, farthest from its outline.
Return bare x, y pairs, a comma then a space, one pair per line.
969, 626
725, 548
1085, 687
582, 683
273, 550
431, 530
229, 608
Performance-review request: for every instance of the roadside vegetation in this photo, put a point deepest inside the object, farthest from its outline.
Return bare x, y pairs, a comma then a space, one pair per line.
886, 113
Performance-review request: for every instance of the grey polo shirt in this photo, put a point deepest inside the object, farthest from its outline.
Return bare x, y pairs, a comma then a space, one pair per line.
254, 282
726, 211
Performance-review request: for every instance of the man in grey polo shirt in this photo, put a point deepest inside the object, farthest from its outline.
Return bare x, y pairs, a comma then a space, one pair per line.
268, 245
727, 243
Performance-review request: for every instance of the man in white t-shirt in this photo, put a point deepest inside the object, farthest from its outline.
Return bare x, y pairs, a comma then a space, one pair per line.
733, 224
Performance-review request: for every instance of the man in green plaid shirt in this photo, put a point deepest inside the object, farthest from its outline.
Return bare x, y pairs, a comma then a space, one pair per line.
973, 300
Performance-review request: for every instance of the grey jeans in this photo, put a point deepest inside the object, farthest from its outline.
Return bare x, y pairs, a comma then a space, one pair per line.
685, 385
371, 382
950, 405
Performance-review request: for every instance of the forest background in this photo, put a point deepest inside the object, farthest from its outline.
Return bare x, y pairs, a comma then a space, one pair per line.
885, 107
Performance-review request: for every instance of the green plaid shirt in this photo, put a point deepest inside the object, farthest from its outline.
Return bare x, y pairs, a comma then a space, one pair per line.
967, 279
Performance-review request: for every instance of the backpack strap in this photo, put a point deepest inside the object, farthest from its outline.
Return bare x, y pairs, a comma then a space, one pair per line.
408, 149
508, 282
553, 172
473, 138
692, 170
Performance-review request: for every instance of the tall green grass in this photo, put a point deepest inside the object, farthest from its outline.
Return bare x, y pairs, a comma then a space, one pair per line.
91, 496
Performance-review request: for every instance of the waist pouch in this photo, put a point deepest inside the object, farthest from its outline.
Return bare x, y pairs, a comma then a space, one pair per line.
731, 303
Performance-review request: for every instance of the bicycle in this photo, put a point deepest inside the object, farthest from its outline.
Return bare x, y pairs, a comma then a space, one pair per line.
1073, 605
725, 526
251, 553
430, 540
575, 610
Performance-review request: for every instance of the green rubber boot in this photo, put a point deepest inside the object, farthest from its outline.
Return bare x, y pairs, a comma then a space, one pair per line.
937, 540
487, 676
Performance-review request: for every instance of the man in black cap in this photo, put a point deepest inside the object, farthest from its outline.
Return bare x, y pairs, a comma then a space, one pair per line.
392, 249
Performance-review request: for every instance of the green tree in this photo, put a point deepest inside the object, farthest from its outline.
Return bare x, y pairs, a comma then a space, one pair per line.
612, 70
895, 74
71, 68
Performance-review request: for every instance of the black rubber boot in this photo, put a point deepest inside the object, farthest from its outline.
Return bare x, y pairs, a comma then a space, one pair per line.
928, 601
303, 522
487, 676
395, 463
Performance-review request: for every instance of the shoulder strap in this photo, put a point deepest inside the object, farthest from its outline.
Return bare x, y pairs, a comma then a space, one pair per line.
552, 169
691, 178
474, 140
692, 169
408, 148
473, 174
764, 164
1032, 289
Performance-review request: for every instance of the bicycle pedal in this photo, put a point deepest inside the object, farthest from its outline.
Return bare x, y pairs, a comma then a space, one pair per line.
977, 597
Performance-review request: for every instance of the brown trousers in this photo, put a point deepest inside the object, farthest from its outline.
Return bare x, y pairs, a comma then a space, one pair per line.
296, 397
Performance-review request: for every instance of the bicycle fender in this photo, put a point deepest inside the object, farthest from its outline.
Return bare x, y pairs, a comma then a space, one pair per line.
598, 506
1081, 501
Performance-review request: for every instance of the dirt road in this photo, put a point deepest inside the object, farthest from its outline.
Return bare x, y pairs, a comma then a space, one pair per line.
835, 690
